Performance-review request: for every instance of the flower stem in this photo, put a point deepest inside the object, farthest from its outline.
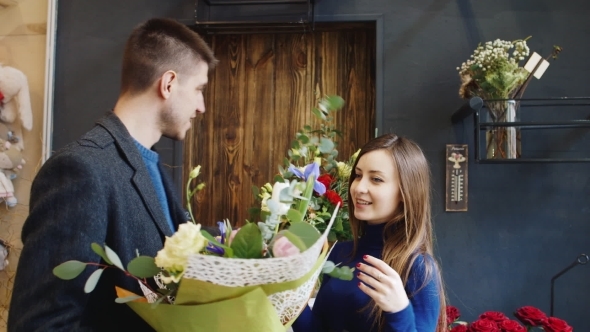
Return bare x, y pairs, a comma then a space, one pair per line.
189, 196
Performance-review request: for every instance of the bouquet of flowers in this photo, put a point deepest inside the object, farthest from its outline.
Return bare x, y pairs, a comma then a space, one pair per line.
495, 321
262, 273
313, 153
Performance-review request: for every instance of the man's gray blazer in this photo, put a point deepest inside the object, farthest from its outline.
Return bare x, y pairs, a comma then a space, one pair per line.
96, 189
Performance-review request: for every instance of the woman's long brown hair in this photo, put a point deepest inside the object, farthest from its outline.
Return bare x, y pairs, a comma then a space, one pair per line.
404, 242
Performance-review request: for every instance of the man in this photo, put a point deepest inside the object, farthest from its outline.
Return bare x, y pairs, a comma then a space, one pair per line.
108, 187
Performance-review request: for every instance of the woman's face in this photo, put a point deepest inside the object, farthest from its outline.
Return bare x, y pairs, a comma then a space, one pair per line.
375, 189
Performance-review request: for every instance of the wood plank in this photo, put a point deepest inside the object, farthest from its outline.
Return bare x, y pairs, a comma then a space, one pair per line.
260, 94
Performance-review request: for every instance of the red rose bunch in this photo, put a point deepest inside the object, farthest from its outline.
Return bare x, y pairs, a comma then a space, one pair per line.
453, 314
495, 321
484, 325
494, 316
510, 325
531, 316
553, 324
453, 322
459, 328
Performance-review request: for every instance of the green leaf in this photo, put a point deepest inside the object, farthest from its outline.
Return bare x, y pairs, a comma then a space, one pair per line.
255, 191
278, 178
307, 127
294, 215
304, 139
306, 232
69, 270
93, 280
97, 248
335, 102
332, 236
328, 267
297, 242
228, 251
343, 273
127, 298
248, 242
113, 257
143, 267
319, 114
326, 145
295, 144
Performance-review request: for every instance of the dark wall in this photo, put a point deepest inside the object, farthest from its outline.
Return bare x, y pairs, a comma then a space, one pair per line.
90, 39
525, 222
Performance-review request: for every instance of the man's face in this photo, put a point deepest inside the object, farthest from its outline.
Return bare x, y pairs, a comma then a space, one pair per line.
186, 100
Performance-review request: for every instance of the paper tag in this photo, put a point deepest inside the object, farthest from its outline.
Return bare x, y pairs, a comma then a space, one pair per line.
532, 63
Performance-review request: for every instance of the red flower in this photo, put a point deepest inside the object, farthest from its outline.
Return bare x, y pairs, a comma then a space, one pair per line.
459, 328
511, 326
333, 197
452, 314
496, 316
326, 180
484, 325
556, 325
532, 316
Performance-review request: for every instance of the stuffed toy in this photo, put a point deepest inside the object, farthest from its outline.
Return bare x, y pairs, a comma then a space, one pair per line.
4, 251
15, 102
11, 161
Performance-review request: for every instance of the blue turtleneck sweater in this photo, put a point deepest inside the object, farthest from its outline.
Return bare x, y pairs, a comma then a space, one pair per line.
339, 302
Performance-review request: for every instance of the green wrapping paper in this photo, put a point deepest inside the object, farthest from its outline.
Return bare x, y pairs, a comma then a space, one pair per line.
203, 306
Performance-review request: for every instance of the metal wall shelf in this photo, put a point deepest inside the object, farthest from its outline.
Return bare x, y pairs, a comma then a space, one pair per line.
477, 107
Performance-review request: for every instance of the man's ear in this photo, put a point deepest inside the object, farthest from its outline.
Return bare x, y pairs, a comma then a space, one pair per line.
168, 79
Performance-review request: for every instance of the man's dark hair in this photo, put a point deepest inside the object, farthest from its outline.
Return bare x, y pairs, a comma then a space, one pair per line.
159, 45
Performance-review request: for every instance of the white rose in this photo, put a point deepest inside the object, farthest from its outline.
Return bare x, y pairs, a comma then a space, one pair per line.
177, 248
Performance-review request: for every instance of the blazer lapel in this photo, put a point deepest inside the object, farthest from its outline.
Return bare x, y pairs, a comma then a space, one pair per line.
141, 178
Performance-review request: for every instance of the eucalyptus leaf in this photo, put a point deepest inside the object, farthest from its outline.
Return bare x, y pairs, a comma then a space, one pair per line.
342, 272
113, 257
143, 267
247, 242
127, 298
295, 144
97, 248
328, 267
69, 270
307, 127
278, 178
306, 232
326, 145
304, 139
92, 280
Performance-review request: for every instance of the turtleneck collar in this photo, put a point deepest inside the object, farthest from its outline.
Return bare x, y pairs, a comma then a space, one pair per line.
373, 237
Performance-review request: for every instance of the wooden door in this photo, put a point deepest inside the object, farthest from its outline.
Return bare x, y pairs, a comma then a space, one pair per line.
260, 94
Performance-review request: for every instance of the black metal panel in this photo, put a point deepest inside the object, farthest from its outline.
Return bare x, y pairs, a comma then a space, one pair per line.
254, 16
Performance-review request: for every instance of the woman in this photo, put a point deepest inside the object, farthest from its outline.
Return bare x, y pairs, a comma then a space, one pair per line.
397, 284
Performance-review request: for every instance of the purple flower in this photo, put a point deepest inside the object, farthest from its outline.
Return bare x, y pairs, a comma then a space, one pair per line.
311, 169
215, 249
222, 230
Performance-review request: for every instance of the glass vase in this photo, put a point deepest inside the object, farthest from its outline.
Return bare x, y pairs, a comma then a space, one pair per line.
502, 142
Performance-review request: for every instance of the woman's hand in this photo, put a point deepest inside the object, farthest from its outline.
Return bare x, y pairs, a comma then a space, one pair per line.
383, 284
